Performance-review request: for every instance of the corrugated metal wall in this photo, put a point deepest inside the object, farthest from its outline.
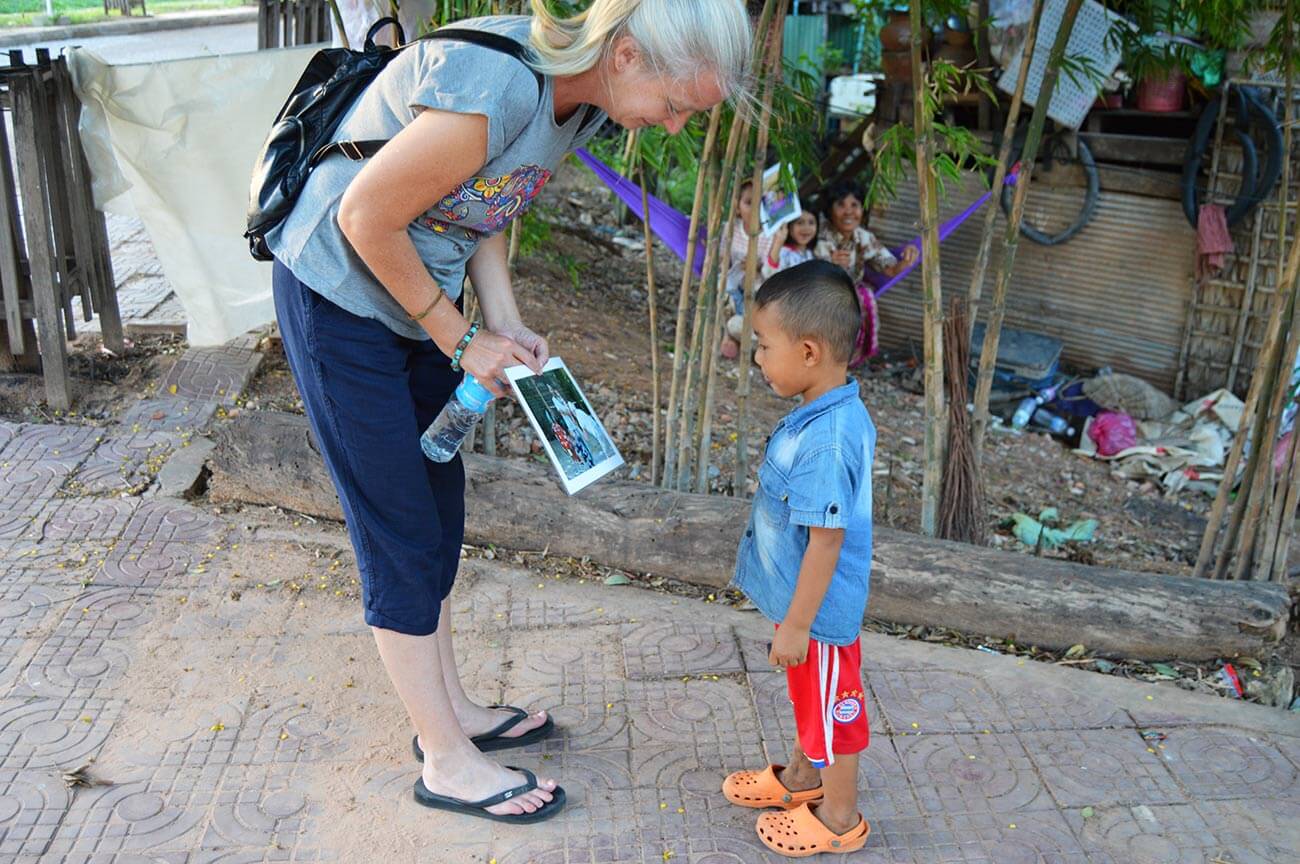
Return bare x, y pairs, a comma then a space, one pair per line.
1116, 295
804, 38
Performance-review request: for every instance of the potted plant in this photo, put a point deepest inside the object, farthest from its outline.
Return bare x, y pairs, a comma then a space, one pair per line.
1166, 42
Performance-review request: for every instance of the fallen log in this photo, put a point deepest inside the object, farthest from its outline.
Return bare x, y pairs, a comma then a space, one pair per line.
269, 458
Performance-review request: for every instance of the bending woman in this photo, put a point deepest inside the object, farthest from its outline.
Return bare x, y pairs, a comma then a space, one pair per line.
367, 276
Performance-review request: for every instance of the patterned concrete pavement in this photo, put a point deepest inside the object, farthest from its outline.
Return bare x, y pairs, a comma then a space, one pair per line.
213, 674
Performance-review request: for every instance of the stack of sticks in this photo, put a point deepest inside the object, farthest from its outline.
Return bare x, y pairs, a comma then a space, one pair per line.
961, 506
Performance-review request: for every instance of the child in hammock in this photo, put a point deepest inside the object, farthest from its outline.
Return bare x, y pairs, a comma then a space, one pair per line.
792, 244
736, 274
844, 241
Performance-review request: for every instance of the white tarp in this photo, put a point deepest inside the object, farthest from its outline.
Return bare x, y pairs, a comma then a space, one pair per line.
358, 15
174, 143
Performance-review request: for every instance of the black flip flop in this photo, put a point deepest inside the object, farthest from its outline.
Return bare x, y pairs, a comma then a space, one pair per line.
479, 808
494, 739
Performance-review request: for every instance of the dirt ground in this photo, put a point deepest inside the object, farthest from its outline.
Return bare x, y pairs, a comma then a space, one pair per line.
590, 302
587, 294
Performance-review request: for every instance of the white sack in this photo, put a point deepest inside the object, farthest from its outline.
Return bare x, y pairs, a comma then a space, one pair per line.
179, 139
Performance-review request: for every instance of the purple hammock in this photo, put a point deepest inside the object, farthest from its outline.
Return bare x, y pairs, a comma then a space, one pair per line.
674, 228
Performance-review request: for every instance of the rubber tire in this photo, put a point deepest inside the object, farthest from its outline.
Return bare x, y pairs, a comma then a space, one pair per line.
1272, 172
1260, 184
1086, 213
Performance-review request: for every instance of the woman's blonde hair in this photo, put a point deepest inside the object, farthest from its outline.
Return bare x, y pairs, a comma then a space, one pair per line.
673, 35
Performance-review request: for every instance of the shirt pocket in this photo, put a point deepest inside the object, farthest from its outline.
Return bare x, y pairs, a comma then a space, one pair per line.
773, 500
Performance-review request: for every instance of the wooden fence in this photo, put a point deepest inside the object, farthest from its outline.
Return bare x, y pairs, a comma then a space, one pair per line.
53, 242
124, 6
282, 23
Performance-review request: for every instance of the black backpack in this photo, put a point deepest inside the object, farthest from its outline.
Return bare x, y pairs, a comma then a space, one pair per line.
301, 135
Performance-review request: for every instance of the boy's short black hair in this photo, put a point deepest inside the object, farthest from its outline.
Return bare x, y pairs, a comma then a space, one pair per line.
816, 300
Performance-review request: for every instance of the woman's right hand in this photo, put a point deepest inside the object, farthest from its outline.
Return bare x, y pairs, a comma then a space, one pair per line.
489, 355
841, 258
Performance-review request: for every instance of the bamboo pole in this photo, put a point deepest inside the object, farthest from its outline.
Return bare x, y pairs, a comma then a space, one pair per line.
689, 354
1261, 490
931, 283
705, 442
713, 329
1286, 514
1011, 236
716, 326
684, 293
679, 419
338, 22
718, 255
707, 320
516, 238
772, 70
1267, 363
654, 324
1000, 175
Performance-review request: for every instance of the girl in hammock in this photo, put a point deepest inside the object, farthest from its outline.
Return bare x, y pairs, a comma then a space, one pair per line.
844, 240
789, 245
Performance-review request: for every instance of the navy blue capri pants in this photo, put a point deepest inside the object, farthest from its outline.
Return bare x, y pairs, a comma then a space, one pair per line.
369, 394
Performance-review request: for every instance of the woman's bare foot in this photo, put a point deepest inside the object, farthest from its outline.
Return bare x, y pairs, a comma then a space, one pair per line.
473, 777
478, 720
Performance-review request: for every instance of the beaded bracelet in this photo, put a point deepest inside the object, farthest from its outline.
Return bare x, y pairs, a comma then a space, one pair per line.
461, 346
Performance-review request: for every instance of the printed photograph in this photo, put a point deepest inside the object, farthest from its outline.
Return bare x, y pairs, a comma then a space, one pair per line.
575, 439
778, 204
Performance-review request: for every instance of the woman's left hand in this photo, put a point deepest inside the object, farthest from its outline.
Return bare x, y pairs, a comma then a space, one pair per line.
529, 340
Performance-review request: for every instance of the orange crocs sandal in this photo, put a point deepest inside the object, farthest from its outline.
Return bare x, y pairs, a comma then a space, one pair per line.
799, 833
762, 789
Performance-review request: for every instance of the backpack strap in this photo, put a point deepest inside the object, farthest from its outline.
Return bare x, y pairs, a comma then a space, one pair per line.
360, 150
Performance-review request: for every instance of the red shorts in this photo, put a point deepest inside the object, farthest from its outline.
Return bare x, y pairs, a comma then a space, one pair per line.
830, 708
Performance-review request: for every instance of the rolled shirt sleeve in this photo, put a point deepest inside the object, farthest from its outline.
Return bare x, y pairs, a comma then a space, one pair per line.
820, 490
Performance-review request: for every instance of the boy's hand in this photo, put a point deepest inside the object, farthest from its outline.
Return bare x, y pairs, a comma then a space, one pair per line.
790, 647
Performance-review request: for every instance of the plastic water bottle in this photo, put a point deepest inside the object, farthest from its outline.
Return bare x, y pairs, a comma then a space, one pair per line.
448, 430
1055, 424
1025, 410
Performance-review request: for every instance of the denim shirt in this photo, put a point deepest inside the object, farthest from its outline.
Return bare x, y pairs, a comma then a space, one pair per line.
816, 474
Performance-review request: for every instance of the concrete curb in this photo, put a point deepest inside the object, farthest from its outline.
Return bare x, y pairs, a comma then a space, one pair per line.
176, 21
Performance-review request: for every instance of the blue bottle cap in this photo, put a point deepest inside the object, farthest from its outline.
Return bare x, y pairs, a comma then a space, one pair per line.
474, 395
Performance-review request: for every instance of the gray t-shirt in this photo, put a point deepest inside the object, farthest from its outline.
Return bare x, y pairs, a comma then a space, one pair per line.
524, 146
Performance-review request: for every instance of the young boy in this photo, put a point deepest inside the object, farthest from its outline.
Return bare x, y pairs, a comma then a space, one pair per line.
805, 558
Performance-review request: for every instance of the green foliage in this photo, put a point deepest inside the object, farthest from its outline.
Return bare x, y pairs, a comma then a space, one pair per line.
1160, 36
956, 151
28, 13
536, 231
1281, 43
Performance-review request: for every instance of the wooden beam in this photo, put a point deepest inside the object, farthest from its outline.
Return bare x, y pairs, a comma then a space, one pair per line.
267, 457
1135, 149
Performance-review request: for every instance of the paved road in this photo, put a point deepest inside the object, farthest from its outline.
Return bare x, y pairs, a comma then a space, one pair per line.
213, 670
162, 45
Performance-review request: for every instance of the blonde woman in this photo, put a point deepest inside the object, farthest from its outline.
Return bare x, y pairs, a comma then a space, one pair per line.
368, 272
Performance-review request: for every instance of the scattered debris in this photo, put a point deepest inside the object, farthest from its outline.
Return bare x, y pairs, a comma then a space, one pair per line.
83, 778
1035, 532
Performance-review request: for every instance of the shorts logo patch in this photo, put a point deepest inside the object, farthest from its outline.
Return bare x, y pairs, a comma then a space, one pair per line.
847, 710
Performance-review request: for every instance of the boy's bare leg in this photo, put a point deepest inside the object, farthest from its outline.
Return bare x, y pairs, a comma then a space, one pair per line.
800, 774
838, 809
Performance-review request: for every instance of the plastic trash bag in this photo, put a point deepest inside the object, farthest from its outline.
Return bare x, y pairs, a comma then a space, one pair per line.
1112, 432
